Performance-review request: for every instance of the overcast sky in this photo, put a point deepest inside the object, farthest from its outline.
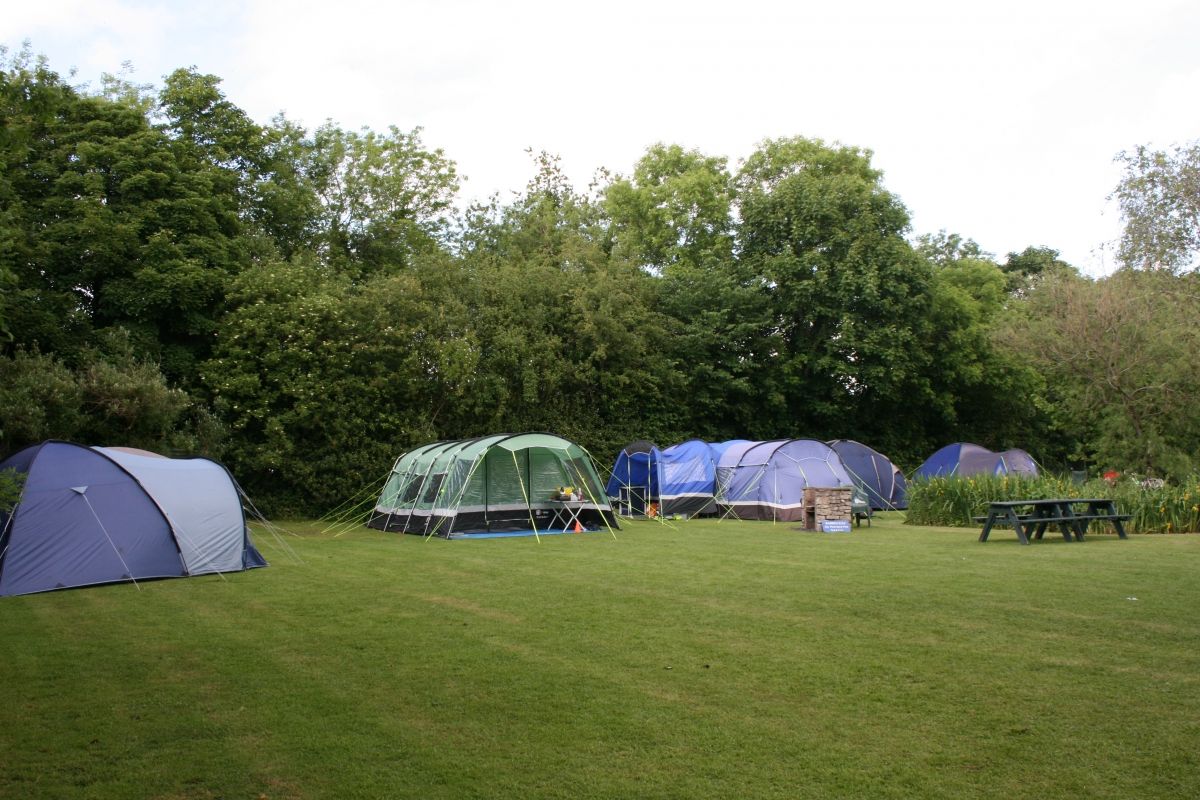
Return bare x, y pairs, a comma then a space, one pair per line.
999, 124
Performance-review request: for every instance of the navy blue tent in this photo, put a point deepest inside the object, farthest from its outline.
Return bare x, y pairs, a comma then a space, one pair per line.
634, 481
874, 473
964, 459
102, 515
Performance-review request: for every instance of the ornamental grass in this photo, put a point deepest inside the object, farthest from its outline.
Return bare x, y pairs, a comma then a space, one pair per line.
1155, 506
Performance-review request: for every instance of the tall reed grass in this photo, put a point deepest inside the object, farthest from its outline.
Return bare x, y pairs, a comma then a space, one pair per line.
1167, 508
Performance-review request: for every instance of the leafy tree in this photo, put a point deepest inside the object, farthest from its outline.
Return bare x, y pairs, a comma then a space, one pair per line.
1159, 196
321, 381
944, 248
1032, 265
570, 338
106, 223
39, 399
114, 397
1118, 354
848, 294
674, 210
384, 198
979, 391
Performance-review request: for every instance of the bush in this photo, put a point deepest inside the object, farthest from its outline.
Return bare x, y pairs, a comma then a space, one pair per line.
1155, 507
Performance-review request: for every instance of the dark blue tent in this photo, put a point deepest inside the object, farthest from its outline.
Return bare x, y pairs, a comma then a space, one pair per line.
679, 479
102, 515
874, 473
964, 459
634, 481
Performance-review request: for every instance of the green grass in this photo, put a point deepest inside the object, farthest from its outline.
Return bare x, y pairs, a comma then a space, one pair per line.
727, 659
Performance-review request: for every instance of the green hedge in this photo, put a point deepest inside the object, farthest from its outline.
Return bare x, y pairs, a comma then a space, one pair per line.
1165, 508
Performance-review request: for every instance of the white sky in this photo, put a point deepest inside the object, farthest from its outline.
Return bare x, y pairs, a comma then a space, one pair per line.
999, 124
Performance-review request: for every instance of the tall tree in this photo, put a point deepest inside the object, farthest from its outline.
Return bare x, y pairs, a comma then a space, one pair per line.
979, 391
322, 379
570, 336
674, 210
1118, 354
1159, 196
107, 223
385, 198
848, 294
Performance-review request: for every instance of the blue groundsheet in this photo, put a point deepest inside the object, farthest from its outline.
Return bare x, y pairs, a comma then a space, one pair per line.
507, 534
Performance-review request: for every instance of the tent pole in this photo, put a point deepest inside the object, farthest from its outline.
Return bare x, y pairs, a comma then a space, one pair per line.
458, 500
528, 507
753, 484
417, 498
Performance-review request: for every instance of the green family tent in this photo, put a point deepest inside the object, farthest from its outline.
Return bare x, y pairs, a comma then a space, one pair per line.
501, 485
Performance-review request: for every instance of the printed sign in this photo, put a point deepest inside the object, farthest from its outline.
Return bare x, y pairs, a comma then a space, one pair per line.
835, 526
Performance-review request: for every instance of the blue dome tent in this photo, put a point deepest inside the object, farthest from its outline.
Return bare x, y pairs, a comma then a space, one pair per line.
688, 473
964, 459
874, 473
98, 515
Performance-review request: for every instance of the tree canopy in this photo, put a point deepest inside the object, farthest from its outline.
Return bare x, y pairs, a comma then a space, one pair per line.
307, 304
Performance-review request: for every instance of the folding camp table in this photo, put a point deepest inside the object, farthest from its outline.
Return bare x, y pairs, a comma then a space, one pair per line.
567, 512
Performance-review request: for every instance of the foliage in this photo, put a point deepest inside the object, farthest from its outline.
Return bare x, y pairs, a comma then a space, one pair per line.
848, 295
40, 399
172, 271
1120, 353
323, 382
108, 223
978, 391
11, 485
1155, 506
115, 398
1159, 196
675, 210
383, 198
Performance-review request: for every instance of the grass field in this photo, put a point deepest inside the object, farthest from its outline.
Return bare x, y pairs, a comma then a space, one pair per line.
710, 659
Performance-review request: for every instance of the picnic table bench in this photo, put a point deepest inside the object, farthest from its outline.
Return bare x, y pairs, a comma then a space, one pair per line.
1031, 518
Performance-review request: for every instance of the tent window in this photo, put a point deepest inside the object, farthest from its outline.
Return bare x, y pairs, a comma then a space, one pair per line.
411, 490
433, 487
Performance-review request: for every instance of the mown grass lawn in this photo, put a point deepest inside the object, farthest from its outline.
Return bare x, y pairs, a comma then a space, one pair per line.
710, 659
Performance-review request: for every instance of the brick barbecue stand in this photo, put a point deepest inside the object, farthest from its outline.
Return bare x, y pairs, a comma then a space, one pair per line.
821, 505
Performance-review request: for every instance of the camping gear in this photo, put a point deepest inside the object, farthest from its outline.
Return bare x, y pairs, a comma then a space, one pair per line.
963, 459
766, 480
880, 479
92, 515
500, 484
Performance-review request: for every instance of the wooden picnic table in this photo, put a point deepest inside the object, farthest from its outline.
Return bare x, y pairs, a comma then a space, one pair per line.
1031, 518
